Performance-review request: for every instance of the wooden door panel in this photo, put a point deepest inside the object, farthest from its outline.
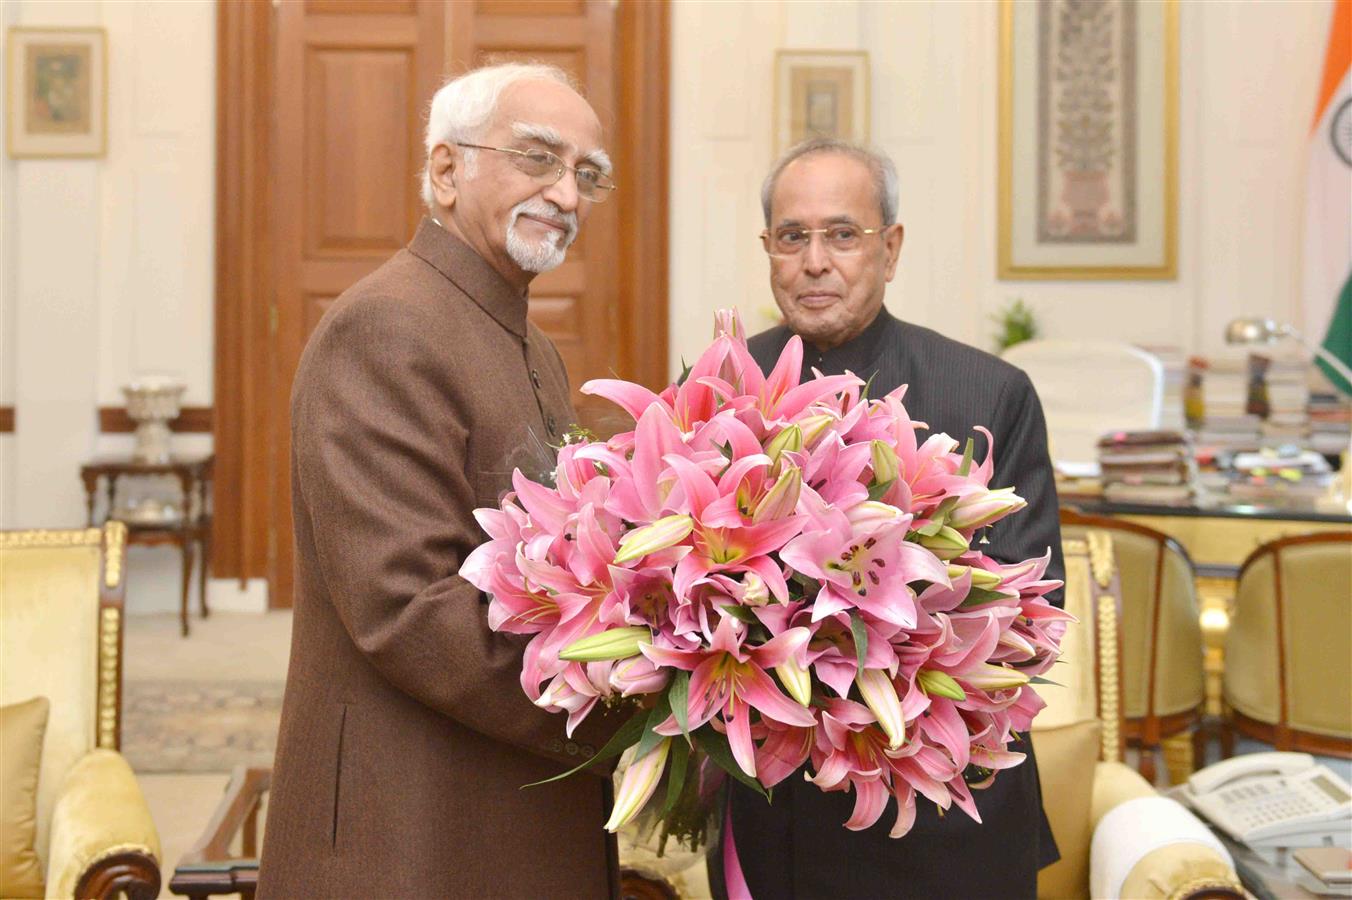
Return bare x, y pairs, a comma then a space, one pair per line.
352, 211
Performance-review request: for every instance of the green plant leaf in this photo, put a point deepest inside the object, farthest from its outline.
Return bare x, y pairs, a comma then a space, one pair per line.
860, 632
678, 695
879, 490
1038, 679
978, 596
716, 746
967, 453
677, 763
740, 613
656, 717
627, 736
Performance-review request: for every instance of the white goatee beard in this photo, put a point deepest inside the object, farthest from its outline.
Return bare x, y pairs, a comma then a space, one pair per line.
548, 252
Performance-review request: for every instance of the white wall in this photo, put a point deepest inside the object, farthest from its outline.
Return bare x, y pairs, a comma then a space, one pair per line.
106, 265
1248, 75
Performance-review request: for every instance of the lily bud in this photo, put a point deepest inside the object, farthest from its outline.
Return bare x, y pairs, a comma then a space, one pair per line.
814, 427
987, 677
638, 783
796, 681
939, 683
789, 440
729, 322
660, 535
885, 465
981, 578
880, 696
1017, 643
946, 543
985, 507
756, 592
638, 675
781, 500
617, 643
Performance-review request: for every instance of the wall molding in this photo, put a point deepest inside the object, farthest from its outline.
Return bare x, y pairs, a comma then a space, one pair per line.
6, 420
192, 420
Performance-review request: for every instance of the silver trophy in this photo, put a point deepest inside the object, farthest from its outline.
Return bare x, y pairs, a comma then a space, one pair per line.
153, 401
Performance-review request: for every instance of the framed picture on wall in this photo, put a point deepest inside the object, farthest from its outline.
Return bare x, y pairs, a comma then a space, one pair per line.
820, 93
1088, 140
56, 99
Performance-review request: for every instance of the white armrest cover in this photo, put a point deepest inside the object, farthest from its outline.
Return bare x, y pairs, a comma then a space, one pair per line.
1133, 830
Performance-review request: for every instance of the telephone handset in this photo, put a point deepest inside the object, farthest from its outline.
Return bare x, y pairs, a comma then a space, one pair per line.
1271, 800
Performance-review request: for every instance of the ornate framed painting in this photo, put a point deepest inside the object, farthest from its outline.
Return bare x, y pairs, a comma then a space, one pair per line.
820, 93
1088, 139
56, 101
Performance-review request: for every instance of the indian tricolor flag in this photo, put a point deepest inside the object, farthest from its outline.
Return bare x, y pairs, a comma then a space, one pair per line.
1328, 203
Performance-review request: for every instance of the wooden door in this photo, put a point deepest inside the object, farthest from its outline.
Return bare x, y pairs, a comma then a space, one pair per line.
349, 85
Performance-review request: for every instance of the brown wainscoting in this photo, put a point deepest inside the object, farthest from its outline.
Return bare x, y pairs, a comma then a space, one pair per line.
6, 420
192, 420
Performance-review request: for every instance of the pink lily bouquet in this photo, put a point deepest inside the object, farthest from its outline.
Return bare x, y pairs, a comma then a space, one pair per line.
781, 573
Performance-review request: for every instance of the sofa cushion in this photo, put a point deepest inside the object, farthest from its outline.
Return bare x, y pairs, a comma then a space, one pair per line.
1066, 758
22, 726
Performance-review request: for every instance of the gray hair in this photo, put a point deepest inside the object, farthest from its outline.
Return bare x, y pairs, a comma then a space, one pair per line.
882, 169
463, 107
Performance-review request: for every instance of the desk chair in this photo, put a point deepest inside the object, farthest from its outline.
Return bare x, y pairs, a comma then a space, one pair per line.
1288, 653
1089, 388
1164, 683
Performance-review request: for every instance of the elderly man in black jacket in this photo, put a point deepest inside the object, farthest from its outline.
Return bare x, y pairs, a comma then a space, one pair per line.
833, 240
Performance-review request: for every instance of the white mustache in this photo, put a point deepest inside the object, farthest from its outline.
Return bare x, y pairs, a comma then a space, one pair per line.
543, 209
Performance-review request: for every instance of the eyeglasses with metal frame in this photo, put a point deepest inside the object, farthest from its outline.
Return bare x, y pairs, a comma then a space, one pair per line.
547, 168
841, 239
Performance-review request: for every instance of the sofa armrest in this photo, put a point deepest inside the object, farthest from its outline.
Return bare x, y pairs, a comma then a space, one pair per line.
102, 837
1115, 784
1151, 847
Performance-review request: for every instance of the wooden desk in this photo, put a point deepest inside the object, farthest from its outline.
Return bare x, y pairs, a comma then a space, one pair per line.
190, 531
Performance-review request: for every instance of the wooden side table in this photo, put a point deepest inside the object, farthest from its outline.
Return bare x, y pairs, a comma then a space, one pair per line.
190, 530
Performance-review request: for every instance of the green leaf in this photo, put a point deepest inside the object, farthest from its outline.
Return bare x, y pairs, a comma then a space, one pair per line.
860, 633
967, 453
650, 737
1038, 679
627, 736
678, 697
680, 757
977, 596
740, 613
879, 491
716, 746
863, 395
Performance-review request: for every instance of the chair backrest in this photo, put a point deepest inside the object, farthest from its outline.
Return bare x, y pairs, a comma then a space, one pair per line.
61, 606
1288, 653
1162, 649
1089, 388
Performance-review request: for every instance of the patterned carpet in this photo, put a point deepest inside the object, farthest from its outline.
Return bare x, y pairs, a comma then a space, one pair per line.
199, 726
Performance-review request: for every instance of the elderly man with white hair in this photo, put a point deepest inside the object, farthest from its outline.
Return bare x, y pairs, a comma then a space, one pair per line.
405, 736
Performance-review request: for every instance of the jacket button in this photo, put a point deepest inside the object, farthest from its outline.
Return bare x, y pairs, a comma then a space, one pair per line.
552, 426
535, 378
571, 748
588, 751
556, 746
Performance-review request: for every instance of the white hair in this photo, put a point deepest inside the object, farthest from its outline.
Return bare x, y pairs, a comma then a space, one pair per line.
463, 108
880, 167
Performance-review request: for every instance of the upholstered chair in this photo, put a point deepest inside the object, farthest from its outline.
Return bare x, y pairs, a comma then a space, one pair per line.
61, 611
1088, 388
1163, 677
1288, 653
1117, 836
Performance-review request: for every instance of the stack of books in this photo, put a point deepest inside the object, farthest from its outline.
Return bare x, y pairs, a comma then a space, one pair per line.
1330, 416
1287, 396
1227, 422
1280, 478
1148, 467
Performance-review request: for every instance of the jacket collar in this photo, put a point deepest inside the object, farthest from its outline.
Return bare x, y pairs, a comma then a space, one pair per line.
858, 355
472, 274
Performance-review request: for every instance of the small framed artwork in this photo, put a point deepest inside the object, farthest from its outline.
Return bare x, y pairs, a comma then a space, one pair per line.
820, 93
1088, 140
56, 101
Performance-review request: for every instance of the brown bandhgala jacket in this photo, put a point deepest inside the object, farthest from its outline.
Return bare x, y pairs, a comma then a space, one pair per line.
405, 737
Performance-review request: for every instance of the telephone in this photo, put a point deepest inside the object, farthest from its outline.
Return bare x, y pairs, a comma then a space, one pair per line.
1273, 801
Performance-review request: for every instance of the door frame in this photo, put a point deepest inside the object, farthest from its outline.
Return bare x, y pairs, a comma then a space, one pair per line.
244, 543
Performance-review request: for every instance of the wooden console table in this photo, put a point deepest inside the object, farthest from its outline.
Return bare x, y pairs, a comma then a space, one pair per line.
190, 530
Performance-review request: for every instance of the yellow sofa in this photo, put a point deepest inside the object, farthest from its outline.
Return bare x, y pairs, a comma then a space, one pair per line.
1079, 740
61, 611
